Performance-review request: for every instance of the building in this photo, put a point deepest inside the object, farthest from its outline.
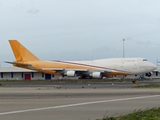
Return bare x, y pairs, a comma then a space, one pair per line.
15, 73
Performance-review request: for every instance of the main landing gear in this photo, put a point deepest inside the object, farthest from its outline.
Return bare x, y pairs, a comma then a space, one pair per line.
134, 82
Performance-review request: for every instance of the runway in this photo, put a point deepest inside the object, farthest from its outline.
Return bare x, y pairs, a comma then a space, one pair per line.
61, 103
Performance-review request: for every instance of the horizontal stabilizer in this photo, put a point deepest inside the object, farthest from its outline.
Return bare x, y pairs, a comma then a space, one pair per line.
22, 64
17, 63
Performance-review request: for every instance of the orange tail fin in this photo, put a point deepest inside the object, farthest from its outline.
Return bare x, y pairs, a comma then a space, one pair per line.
20, 52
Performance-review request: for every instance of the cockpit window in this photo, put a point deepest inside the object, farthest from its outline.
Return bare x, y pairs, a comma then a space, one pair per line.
145, 60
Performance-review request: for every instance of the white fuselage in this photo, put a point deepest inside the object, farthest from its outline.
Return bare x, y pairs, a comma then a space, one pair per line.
126, 65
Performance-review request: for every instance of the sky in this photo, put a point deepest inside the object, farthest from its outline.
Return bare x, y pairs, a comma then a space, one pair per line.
81, 30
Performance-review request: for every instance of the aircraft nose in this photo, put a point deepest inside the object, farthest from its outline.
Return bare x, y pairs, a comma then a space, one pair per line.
153, 67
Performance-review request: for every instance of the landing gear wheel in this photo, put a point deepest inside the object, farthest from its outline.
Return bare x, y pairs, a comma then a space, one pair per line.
134, 82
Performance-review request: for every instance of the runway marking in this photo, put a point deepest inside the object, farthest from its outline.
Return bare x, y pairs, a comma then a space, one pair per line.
78, 104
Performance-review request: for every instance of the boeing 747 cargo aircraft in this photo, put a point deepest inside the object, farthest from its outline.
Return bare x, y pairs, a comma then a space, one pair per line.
86, 69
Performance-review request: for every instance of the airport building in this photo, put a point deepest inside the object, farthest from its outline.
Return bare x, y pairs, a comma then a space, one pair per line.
14, 73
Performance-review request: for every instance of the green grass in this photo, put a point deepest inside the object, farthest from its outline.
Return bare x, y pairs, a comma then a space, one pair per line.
149, 86
152, 114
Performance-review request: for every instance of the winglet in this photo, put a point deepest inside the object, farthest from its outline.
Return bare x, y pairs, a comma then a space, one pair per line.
21, 53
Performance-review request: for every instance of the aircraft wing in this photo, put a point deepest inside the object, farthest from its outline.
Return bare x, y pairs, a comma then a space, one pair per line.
62, 69
76, 70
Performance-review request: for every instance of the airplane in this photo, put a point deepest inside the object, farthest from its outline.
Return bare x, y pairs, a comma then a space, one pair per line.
83, 69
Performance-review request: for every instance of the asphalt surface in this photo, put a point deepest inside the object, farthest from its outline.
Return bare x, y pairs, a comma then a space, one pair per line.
79, 84
74, 101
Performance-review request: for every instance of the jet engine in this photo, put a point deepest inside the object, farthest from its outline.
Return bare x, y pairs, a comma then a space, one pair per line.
96, 75
70, 74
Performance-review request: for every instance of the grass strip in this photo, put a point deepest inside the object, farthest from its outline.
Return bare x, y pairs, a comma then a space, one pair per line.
151, 114
149, 86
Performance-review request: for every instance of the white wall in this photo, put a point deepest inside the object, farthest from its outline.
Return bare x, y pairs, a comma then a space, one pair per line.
37, 76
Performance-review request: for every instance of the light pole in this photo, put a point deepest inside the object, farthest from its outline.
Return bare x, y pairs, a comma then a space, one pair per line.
123, 48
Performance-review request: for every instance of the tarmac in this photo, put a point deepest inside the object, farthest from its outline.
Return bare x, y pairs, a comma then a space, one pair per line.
74, 101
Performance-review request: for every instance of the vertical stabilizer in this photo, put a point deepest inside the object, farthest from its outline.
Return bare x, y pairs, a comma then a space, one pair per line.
21, 53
